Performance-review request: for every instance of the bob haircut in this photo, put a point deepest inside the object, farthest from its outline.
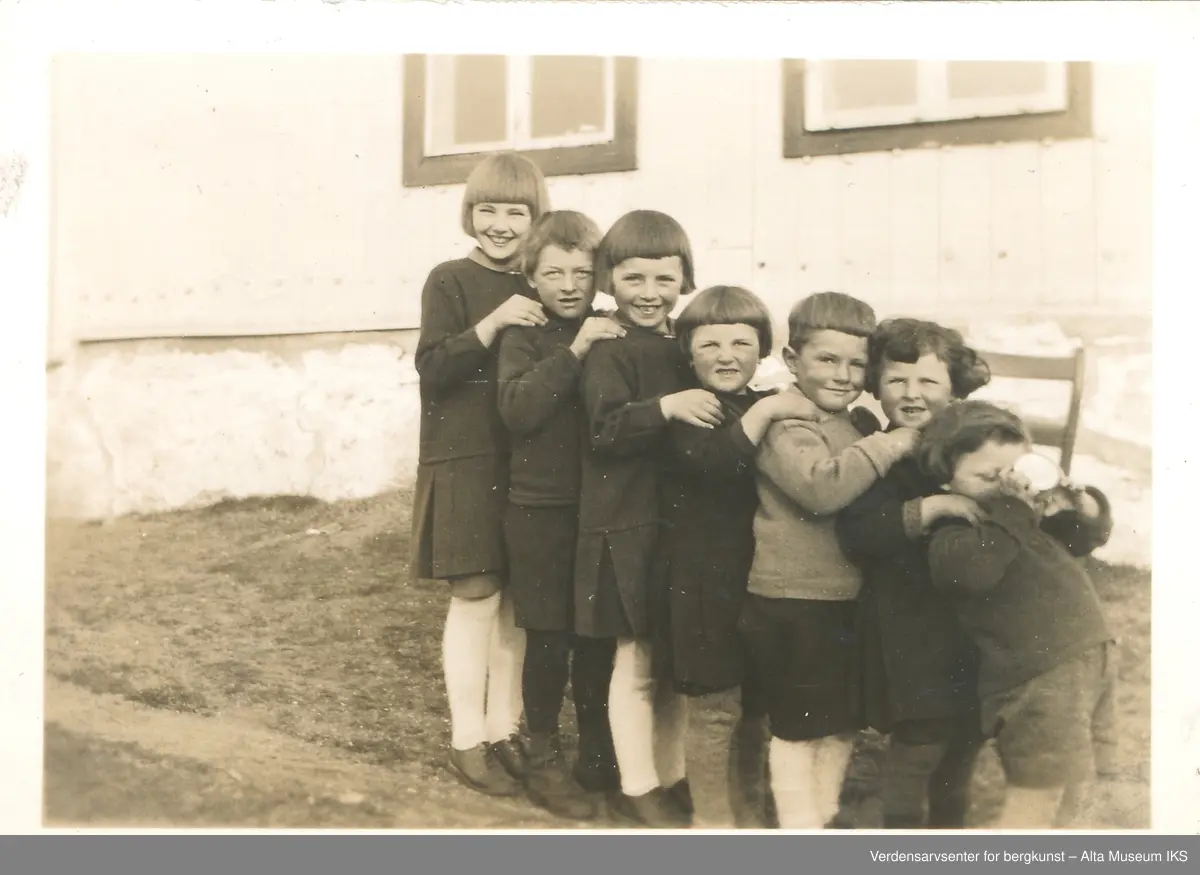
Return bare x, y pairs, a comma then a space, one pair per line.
963, 428
906, 340
644, 234
725, 305
504, 178
568, 230
829, 311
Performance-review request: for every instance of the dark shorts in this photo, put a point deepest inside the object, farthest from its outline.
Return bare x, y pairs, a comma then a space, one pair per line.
458, 518
1060, 727
803, 660
541, 565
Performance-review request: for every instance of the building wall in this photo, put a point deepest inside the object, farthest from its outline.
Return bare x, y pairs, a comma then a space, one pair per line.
227, 196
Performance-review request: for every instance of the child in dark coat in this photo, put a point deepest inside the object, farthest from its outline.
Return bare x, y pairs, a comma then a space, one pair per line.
632, 388
462, 476
707, 545
1046, 670
919, 666
540, 370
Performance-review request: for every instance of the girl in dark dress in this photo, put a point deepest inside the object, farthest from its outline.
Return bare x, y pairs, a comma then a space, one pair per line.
462, 476
540, 369
919, 668
632, 388
707, 545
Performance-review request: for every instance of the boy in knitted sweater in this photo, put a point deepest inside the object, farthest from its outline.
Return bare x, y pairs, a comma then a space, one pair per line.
1046, 673
798, 619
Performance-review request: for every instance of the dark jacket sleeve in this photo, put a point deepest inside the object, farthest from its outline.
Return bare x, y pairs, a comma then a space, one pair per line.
1080, 534
449, 351
723, 452
531, 389
976, 557
619, 422
873, 525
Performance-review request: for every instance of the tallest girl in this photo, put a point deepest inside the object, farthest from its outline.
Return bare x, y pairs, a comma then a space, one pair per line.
462, 477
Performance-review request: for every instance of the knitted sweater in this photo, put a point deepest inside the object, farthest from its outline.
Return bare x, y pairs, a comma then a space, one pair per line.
807, 472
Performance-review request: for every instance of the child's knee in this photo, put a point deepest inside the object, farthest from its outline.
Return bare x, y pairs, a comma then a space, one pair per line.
474, 587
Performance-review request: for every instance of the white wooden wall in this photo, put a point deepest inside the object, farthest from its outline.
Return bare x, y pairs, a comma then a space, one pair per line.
246, 195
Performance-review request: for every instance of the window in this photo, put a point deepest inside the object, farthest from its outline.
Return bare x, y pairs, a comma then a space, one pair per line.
571, 114
838, 107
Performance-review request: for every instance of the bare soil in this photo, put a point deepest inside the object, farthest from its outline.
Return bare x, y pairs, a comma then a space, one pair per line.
267, 663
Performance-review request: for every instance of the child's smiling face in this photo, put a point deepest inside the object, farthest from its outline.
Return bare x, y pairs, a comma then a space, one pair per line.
500, 228
830, 368
912, 393
725, 357
979, 474
647, 289
563, 281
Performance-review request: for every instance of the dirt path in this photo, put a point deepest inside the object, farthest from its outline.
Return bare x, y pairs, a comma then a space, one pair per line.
268, 765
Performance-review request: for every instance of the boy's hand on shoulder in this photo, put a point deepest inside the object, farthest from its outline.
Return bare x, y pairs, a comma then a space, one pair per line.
938, 507
694, 406
790, 405
594, 328
904, 439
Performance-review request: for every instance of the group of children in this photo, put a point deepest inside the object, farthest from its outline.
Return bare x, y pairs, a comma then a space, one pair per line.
613, 505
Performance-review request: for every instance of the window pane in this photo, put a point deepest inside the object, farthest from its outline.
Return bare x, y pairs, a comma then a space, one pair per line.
569, 95
863, 84
968, 79
480, 99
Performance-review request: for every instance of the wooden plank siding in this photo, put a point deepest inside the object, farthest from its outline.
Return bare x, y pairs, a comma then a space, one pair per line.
218, 195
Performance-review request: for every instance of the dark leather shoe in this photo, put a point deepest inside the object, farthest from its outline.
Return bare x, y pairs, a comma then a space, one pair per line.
511, 754
478, 769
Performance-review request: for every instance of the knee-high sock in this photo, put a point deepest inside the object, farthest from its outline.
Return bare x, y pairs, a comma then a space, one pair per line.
792, 780
707, 749
591, 674
950, 784
466, 642
505, 661
631, 715
829, 773
670, 729
544, 678
907, 773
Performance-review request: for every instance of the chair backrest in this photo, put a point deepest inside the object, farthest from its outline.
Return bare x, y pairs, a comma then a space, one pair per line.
1070, 368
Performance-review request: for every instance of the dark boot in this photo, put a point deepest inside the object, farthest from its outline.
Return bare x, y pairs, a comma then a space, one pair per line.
749, 789
656, 810
511, 754
479, 770
681, 794
550, 785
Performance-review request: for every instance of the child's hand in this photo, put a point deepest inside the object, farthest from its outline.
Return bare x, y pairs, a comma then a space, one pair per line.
693, 406
905, 439
790, 405
937, 507
518, 310
594, 328
1071, 496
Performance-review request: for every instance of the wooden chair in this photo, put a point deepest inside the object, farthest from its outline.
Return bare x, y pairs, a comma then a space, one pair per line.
1068, 368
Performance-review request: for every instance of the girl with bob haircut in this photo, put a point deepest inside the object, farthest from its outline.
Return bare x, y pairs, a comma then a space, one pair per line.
462, 475
540, 370
707, 546
918, 665
632, 388
1046, 678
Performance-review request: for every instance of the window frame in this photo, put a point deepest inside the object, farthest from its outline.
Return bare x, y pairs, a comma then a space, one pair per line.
1075, 122
616, 155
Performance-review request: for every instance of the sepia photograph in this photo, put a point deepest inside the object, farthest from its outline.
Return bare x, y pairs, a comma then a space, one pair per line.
570, 441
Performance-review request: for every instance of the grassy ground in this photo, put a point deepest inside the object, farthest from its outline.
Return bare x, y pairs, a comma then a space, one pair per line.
266, 663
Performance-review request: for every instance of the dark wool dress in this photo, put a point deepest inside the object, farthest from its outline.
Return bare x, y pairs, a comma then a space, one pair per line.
462, 476
707, 547
623, 382
540, 404
918, 663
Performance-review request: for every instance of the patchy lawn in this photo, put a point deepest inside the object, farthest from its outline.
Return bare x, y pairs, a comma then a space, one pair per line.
267, 663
